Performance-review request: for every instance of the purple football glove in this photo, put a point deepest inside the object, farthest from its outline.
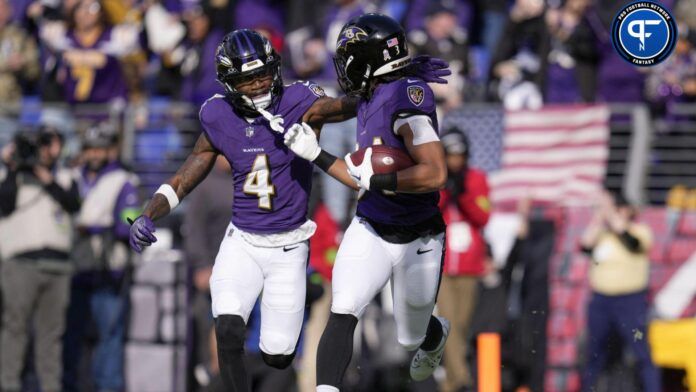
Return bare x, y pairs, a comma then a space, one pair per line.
141, 233
430, 69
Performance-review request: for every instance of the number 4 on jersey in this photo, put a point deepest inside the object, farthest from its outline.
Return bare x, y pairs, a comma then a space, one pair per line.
258, 182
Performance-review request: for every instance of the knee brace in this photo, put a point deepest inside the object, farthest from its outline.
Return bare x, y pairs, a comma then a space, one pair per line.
278, 361
230, 332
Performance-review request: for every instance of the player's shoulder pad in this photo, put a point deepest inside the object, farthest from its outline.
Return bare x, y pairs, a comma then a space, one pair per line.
211, 108
306, 87
411, 94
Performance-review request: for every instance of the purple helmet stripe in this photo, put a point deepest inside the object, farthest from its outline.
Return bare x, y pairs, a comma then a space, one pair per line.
239, 44
251, 46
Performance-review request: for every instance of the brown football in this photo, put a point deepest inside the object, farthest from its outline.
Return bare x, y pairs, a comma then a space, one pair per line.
385, 159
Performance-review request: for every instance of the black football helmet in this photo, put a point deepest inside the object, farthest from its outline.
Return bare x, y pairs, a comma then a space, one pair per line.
369, 46
242, 56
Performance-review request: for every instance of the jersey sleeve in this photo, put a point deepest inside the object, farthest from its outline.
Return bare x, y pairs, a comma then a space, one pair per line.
211, 121
299, 97
411, 97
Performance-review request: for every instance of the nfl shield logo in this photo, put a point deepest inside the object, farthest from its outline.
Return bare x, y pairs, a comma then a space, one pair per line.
317, 90
249, 131
416, 94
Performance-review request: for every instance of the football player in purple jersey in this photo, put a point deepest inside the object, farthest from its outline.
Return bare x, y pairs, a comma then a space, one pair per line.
398, 231
265, 247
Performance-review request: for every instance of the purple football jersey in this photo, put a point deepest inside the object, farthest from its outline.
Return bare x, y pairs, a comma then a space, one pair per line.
271, 183
93, 84
403, 97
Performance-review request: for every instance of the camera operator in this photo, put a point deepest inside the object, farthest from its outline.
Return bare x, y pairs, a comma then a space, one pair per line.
101, 256
37, 198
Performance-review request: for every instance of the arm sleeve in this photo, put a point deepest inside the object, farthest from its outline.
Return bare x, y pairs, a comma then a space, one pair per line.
586, 250
68, 199
636, 239
630, 242
411, 97
127, 206
209, 119
303, 95
421, 126
474, 203
8, 193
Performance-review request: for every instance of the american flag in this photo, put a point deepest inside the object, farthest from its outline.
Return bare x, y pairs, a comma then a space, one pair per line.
483, 125
555, 155
392, 42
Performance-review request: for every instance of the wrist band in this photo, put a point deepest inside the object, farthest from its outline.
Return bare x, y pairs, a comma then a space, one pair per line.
167, 191
324, 160
384, 182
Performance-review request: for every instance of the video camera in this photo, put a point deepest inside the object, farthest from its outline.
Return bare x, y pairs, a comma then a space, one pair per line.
27, 144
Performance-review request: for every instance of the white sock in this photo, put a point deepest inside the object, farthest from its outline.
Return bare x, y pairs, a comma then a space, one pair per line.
327, 388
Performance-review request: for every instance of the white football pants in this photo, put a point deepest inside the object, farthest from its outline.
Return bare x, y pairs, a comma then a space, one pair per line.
242, 271
364, 264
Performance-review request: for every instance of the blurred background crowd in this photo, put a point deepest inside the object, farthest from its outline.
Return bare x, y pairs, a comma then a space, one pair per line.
588, 283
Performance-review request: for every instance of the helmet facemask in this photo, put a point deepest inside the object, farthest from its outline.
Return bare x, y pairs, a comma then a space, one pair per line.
353, 76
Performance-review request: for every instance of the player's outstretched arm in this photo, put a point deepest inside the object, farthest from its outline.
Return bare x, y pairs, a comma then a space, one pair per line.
190, 174
302, 140
196, 167
330, 110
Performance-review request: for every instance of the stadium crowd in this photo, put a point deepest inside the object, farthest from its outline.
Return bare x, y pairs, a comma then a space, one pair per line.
84, 60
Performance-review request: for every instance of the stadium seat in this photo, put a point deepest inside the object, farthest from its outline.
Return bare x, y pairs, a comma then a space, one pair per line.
562, 380
680, 249
564, 324
562, 352
687, 224
568, 297
659, 275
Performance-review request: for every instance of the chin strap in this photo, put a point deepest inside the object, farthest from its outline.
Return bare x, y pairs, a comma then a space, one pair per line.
263, 102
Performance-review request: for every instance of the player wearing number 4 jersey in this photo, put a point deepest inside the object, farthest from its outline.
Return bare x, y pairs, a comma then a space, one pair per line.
266, 245
398, 231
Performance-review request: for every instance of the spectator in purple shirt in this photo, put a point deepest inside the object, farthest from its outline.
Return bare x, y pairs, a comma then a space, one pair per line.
197, 56
90, 49
571, 70
414, 16
674, 81
252, 14
443, 37
101, 255
617, 79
